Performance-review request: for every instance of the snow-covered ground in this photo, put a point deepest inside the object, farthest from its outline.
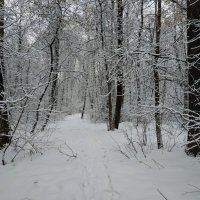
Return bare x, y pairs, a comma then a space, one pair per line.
99, 172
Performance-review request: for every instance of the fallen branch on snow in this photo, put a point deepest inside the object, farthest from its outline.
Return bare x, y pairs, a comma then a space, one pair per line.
162, 194
67, 151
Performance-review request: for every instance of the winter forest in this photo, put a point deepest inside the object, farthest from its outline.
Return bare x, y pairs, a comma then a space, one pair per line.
99, 98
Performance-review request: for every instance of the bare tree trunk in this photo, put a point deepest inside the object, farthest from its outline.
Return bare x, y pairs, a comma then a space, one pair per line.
19, 65
138, 60
193, 37
45, 90
109, 86
138, 48
85, 97
120, 88
54, 80
4, 123
156, 75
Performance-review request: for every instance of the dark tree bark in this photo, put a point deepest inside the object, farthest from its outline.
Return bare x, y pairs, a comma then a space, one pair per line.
4, 124
84, 104
120, 88
193, 39
156, 75
54, 79
109, 85
85, 95
138, 66
46, 87
138, 49
20, 41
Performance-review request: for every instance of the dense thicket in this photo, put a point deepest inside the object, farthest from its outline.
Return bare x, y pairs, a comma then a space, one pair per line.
114, 60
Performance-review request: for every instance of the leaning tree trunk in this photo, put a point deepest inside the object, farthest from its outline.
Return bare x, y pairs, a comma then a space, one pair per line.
45, 89
4, 124
193, 38
156, 75
119, 100
54, 68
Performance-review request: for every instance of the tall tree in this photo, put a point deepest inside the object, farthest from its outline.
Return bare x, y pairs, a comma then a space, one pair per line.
54, 54
156, 74
193, 38
138, 57
4, 125
109, 86
119, 99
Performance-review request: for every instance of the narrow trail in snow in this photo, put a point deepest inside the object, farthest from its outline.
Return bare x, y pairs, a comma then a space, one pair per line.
98, 172
95, 182
53, 175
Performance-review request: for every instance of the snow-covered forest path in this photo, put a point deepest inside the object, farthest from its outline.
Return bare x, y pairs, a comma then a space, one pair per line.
99, 172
